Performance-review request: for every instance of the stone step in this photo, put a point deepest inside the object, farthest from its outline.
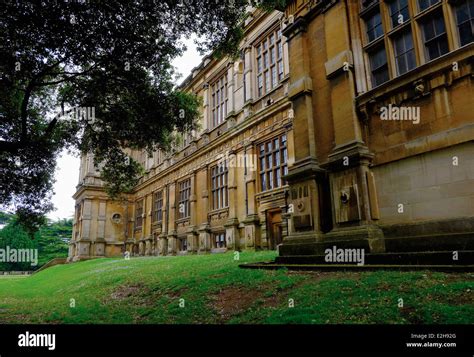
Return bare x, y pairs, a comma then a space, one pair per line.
352, 267
441, 227
431, 242
445, 258
420, 243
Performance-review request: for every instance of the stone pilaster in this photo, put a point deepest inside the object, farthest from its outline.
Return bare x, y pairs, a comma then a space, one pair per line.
232, 231
304, 174
204, 238
192, 235
162, 244
204, 228
252, 231
82, 249
248, 78
172, 234
192, 239
252, 221
232, 234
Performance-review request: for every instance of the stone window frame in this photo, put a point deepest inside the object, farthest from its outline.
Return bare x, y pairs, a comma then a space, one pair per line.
269, 74
381, 69
157, 157
218, 240
401, 8
184, 197
405, 59
438, 38
182, 244
218, 102
139, 207
428, 3
456, 5
412, 25
158, 206
267, 173
219, 186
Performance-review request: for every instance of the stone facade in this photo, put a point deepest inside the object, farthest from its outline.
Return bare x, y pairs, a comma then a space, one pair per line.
309, 93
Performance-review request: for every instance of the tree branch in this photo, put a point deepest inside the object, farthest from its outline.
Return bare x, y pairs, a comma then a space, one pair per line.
24, 103
11, 147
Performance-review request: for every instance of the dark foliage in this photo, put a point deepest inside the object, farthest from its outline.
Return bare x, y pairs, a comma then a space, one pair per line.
109, 56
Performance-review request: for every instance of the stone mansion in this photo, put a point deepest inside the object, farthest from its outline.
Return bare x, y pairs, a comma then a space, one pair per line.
347, 121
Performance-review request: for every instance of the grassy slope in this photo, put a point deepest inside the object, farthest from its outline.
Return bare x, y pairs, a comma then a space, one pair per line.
215, 290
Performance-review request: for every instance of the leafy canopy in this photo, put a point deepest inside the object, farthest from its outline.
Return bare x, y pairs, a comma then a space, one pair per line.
110, 57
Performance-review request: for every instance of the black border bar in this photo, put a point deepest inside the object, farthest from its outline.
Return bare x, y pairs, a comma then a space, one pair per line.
242, 339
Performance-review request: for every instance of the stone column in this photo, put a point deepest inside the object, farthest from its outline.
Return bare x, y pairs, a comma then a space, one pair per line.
204, 238
252, 221
99, 248
231, 226
305, 173
128, 227
84, 242
147, 224
204, 228
205, 106
248, 78
230, 88
172, 234
163, 237
349, 161
191, 235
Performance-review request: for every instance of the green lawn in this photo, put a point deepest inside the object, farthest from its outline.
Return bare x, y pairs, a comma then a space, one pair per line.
215, 290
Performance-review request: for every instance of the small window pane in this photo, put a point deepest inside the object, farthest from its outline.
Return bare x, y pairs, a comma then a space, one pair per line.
434, 33
274, 76
424, 4
404, 53
379, 66
263, 182
374, 26
280, 69
465, 21
267, 81
270, 179
398, 12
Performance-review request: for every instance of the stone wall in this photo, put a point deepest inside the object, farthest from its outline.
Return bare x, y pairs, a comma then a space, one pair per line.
434, 185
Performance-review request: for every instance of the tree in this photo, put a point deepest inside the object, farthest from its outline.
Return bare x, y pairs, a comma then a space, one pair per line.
14, 237
51, 241
111, 58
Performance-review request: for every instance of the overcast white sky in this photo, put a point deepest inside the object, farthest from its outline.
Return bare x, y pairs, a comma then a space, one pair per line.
67, 171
